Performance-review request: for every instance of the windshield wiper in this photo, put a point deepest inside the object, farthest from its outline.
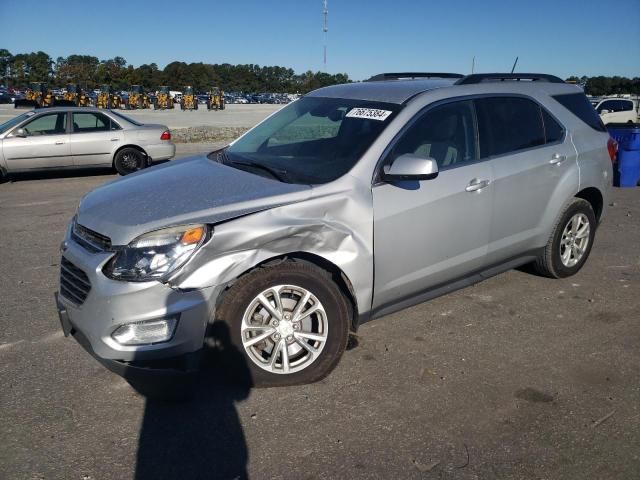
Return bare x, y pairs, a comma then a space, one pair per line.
280, 175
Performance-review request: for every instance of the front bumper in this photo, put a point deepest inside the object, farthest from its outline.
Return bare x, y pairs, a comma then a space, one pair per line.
168, 369
110, 304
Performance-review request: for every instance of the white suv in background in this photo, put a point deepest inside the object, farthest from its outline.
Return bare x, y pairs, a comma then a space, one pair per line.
618, 110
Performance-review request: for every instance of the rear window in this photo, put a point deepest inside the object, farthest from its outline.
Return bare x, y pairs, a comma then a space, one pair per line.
552, 129
508, 124
578, 104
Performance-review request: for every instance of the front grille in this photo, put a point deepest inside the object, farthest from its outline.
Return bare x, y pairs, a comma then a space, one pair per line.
90, 240
74, 283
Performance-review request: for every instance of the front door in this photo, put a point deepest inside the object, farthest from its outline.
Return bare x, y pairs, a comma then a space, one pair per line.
43, 142
431, 232
93, 138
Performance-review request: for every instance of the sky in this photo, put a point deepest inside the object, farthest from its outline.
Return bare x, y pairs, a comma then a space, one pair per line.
561, 37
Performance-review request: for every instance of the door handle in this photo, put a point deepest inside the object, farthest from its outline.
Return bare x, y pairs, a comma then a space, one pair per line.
476, 184
557, 159
59, 142
115, 139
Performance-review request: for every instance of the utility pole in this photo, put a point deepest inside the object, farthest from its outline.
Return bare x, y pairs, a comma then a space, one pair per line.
325, 29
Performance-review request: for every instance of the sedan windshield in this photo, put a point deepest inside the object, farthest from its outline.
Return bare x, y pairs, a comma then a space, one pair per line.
311, 141
15, 121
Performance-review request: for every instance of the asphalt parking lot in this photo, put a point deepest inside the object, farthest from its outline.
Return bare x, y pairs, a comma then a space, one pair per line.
517, 377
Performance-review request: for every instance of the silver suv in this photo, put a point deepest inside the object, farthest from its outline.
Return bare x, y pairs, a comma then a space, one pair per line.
351, 203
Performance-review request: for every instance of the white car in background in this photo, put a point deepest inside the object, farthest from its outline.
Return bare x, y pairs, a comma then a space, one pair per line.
81, 137
618, 110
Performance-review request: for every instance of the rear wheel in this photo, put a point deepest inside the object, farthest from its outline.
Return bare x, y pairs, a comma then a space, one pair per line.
290, 322
129, 160
570, 242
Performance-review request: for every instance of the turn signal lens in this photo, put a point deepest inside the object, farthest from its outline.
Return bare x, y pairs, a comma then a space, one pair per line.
612, 148
166, 135
193, 236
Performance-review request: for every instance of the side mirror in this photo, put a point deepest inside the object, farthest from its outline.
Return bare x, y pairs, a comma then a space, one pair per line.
20, 133
410, 167
604, 112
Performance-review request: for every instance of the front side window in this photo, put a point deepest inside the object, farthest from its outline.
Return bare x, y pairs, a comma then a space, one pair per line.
444, 134
311, 141
92, 122
508, 124
50, 124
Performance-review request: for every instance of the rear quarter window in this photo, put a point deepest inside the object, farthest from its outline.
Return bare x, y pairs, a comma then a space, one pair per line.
578, 104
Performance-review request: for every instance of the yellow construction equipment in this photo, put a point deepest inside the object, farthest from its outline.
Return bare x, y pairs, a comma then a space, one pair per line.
37, 95
137, 98
107, 98
163, 99
189, 100
215, 99
74, 96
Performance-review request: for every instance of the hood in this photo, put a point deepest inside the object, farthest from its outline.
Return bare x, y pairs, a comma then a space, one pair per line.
192, 190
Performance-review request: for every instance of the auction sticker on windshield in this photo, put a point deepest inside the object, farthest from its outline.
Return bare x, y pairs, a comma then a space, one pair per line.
370, 113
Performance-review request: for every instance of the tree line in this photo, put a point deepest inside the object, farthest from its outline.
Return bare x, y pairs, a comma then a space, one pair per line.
601, 85
90, 72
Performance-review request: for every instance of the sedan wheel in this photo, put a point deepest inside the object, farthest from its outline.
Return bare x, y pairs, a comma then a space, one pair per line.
129, 160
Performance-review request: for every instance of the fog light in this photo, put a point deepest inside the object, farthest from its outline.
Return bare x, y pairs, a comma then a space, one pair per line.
142, 333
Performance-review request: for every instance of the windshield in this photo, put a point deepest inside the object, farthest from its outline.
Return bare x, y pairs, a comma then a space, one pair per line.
312, 140
128, 119
164, 89
15, 121
105, 89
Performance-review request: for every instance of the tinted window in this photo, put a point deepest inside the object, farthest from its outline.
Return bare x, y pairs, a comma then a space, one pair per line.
92, 122
553, 131
445, 133
51, 124
615, 106
508, 124
578, 104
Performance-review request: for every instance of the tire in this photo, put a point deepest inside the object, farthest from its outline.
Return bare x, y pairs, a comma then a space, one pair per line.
550, 263
129, 160
240, 303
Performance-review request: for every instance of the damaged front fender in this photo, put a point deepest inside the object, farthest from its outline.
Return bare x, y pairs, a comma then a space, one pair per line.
334, 224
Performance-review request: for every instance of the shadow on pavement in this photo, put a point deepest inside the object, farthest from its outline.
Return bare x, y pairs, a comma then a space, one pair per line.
62, 173
201, 438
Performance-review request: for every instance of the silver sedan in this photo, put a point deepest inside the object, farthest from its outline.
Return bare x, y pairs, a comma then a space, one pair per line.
79, 138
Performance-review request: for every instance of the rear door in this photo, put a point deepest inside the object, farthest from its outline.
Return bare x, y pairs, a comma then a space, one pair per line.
431, 232
93, 139
45, 143
530, 155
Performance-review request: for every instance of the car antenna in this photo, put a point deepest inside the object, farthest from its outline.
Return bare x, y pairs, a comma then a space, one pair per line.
514, 65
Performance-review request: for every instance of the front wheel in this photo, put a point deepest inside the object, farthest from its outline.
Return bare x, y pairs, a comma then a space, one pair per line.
129, 160
290, 321
570, 243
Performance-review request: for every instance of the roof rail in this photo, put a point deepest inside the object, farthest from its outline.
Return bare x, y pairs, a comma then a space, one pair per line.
501, 77
411, 75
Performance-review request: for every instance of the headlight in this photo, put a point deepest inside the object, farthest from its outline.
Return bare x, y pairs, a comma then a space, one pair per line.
156, 254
